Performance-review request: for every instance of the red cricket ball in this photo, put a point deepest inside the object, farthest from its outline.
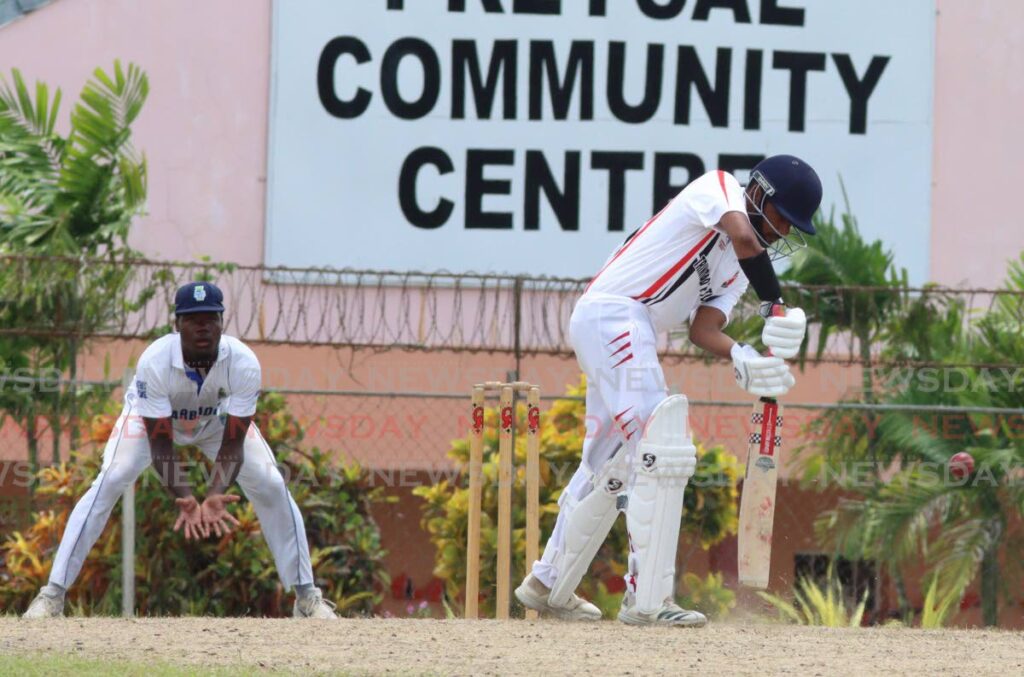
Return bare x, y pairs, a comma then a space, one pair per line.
961, 465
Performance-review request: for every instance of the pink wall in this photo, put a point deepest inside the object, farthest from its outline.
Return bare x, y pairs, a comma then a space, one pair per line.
205, 126
977, 172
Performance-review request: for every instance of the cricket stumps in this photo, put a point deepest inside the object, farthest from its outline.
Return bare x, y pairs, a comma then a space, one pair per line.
506, 426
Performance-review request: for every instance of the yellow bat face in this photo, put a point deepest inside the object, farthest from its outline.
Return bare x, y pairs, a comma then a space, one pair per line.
757, 501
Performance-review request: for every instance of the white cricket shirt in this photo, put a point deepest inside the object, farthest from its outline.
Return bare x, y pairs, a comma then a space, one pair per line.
165, 387
679, 259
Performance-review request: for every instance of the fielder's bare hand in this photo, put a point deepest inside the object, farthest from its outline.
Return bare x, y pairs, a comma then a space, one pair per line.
216, 516
190, 516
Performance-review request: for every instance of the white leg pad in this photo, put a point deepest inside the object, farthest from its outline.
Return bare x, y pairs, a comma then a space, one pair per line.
666, 460
587, 525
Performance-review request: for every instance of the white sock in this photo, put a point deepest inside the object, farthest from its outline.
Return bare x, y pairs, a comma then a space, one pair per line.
53, 590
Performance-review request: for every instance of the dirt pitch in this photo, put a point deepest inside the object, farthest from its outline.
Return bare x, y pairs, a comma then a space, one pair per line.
389, 646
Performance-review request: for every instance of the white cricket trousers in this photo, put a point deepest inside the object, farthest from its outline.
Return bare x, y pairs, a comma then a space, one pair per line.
615, 345
127, 455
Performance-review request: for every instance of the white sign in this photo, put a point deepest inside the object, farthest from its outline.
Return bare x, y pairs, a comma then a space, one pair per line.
531, 136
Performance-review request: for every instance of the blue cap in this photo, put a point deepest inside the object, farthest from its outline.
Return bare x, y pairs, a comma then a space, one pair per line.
792, 186
198, 297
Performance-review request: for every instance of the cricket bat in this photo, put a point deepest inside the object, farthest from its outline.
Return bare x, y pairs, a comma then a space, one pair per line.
757, 502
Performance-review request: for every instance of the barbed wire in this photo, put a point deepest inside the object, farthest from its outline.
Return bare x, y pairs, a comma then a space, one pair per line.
382, 310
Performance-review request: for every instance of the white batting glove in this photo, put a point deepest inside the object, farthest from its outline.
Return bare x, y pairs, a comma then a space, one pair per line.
759, 375
783, 334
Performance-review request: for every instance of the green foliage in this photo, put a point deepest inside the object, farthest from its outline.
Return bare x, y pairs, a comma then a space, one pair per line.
709, 513
64, 200
707, 595
961, 530
938, 606
816, 603
230, 576
837, 257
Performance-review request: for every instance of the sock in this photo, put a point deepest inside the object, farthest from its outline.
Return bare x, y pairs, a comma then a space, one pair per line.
303, 589
53, 590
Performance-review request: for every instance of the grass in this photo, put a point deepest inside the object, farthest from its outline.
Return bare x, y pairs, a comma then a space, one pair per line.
64, 664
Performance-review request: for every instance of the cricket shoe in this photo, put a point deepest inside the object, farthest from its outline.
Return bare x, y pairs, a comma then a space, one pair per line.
534, 595
670, 615
46, 605
313, 605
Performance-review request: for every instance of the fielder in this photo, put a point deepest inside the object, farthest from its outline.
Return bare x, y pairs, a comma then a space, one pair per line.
198, 387
691, 261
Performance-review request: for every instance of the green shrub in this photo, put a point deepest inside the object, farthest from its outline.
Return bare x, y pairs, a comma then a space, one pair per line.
819, 603
229, 576
709, 515
707, 595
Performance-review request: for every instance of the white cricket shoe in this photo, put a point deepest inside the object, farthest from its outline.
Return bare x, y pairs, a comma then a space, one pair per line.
313, 605
45, 605
534, 595
670, 614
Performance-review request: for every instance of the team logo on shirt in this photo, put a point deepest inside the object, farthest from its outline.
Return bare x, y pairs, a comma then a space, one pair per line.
199, 293
704, 277
140, 388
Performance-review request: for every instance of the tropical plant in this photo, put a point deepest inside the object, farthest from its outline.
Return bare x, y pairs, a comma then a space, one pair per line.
938, 606
232, 575
709, 503
962, 529
708, 595
819, 603
65, 200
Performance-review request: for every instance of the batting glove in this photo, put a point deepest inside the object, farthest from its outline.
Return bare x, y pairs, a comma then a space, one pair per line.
759, 375
783, 333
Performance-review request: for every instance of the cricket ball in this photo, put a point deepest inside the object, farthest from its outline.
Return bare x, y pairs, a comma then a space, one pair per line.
961, 465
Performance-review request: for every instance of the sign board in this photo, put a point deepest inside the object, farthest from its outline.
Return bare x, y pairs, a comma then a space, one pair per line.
531, 136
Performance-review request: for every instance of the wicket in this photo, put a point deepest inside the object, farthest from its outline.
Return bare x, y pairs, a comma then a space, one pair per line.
506, 423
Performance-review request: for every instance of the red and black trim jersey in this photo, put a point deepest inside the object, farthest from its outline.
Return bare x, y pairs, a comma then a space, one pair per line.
679, 260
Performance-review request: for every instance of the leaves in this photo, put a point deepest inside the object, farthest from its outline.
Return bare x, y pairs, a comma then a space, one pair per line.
62, 200
815, 603
920, 513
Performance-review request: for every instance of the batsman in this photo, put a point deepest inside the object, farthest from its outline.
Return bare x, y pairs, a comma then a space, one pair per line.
692, 261
194, 386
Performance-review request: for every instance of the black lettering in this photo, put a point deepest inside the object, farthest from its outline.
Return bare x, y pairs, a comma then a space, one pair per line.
664, 163
543, 63
740, 11
597, 7
655, 10
752, 90
565, 203
396, 5
798, 64
772, 14
424, 53
859, 89
477, 187
329, 99
502, 64
488, 5
730, 163
690, 73
439, 215
537, 7
617, 164
648, 106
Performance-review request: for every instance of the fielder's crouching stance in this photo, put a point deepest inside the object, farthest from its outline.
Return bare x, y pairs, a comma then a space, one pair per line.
691, 261
192, 387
